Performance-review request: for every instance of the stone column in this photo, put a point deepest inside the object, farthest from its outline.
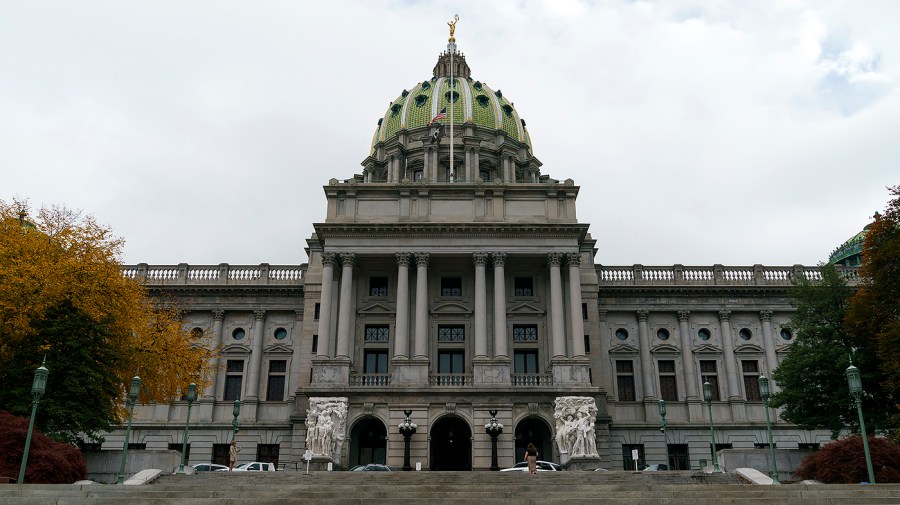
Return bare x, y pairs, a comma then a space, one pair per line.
422, 304
500, 337
577, 319
217, 388
728, 355
345, 319
687, 356
401, 330
765, 318
324, 347
557, 322
254, 374
480, 260
646, 360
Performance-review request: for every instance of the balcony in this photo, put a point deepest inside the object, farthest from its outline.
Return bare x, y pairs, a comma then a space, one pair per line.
450, 379
370, 379
531, 379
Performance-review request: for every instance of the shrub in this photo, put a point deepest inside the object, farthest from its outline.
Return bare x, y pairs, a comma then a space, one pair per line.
49, 462
844, 462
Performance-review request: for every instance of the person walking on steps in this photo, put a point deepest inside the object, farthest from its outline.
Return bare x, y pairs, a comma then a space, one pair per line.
531, 456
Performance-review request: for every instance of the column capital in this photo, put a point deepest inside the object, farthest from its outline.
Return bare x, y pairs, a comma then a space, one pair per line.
259, 314
554, 259
328, 259
573, 259
724, 315
218, 315
479, 259
348, 259
422, 259
299, 314
601, 313
683, 315
498, 258
402, 259
765, 315
642, 315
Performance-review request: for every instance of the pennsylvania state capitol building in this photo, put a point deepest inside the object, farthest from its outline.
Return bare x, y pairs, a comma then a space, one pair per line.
446, 295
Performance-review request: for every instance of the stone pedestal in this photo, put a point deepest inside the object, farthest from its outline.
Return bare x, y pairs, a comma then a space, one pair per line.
582, 463
320, 464
409, 372
568, 371
491, 372
331, 371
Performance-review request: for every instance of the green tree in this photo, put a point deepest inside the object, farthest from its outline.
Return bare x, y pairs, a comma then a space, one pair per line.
874, 312
811, 378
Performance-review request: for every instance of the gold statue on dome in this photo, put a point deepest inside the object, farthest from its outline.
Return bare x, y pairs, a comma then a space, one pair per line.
452, 25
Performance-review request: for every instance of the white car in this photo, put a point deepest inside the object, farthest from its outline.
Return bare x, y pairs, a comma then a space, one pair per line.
542, 466
208, 467
255, 466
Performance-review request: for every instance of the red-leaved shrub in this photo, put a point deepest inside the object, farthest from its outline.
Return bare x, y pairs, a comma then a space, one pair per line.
49, 462
844, 462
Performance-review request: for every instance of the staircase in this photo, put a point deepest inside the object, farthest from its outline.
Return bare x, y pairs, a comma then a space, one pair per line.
451, 488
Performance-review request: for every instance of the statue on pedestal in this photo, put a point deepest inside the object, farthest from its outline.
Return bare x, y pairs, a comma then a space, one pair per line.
326, 426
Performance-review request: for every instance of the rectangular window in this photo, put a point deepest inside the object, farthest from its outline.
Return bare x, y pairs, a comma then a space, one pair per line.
587, 343
751, 380
708, 374
584, 311
377, 333
451, 362
316, 311
625, 380
315, 344
668, 389
525, 361
628, 456
234, 373
451, 333
220, 454
523, 286
275, 384
378, 286
525, 333
267, 453
375, 361
137, 447
679, 457
451, 286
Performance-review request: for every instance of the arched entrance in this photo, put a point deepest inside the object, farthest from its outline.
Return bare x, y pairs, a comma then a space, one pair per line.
368, 442
451, 445
533, 430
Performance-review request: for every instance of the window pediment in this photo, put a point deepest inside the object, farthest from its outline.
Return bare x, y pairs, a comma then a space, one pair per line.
624, 349
749, 349
376, 308
236, 349
524, 308
707, 349
451, 308
665, 349
278, 349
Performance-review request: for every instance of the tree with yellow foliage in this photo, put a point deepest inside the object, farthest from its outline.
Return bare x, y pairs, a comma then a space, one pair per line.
63, 296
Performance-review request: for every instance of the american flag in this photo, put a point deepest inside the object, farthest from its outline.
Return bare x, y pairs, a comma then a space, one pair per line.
441, 115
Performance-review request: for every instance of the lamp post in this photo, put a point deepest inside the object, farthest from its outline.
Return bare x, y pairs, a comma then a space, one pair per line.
856, 389
234, 423
133, 394
662, 427
494, 429
191, 397
707, 395
407, 429
38, 386
764, 393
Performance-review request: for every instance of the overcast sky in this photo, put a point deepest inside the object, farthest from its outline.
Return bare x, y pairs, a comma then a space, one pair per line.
700, 132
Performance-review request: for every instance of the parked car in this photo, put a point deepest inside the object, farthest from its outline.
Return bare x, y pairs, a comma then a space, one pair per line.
601, 470
655, 468
208, 467
542, 466
255, 466
371, 467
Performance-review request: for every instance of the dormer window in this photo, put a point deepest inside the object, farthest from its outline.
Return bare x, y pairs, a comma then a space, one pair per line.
507, 108
483, 100
395, 109
421, 100
451, 96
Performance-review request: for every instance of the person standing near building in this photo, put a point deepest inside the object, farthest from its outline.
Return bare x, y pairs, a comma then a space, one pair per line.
531, 455
232, 455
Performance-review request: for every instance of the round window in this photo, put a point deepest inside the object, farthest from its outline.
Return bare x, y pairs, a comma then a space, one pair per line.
786, 334
622, 334
745, 334
196, 332
703, 334
238, 333
662, 334
280, 334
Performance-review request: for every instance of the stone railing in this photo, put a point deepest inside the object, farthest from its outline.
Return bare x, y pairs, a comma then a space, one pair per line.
531, 379
370, 379
756, 275
450, 379
206, 275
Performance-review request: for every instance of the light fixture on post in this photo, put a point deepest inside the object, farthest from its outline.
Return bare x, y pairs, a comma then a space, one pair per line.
38, 386
765, 394
707, 395
407, 429
234, 422
662, 427
854, 381
191, 397
133, 394
493, 429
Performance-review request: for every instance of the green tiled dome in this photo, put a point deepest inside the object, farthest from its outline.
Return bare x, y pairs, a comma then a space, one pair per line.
849, 254
474, 102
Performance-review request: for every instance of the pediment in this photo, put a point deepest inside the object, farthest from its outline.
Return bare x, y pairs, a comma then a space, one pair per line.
749, 349
376, 308
278, 349
707, 349
665, 349
783, 349
451, 308
524, 308
624, 349
236, 349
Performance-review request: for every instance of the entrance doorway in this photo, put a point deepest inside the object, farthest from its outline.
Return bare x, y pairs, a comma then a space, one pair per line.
535, 431
451, 445
368, 442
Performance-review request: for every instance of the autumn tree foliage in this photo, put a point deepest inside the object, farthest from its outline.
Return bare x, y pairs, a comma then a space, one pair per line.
49, 462
63, 296
844, 462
